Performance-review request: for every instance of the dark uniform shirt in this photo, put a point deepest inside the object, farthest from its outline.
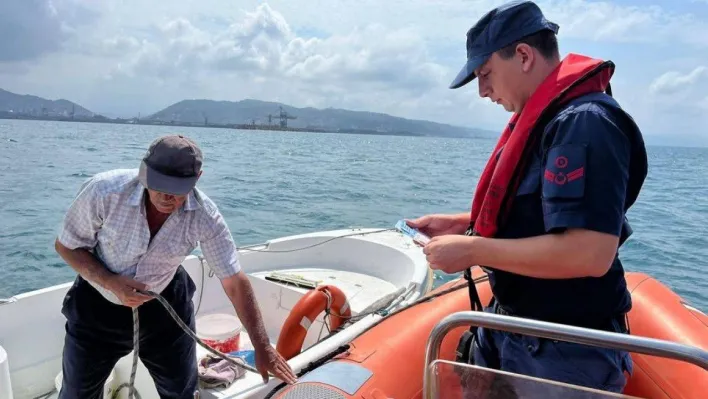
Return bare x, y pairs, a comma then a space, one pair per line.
580, 177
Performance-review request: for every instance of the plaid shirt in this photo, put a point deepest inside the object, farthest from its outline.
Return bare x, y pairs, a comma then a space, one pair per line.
108, 217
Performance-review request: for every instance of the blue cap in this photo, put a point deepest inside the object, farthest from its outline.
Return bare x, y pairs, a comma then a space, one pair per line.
497, 29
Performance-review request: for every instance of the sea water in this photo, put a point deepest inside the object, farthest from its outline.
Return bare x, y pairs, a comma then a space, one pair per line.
272, 184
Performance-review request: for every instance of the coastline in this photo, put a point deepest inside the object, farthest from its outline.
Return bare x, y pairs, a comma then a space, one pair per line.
234, 126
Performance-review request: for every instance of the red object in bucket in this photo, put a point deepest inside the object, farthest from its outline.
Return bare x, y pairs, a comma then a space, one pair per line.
220, 331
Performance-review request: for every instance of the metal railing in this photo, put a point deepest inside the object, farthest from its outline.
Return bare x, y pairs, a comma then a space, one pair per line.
561, 332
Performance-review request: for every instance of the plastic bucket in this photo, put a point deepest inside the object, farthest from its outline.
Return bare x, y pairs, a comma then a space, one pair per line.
220, 331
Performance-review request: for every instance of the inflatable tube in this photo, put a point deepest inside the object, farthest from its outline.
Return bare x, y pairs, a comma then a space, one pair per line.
657, 312
387, 361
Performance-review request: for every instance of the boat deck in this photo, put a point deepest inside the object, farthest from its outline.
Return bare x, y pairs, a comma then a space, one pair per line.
373, 267
361, 290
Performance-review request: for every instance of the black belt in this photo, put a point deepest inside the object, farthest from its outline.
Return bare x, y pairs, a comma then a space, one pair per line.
604, 325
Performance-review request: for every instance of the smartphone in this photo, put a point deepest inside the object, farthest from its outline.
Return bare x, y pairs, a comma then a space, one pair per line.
418, 237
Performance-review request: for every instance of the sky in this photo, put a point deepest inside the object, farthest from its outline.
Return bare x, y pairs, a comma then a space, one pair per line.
124, 57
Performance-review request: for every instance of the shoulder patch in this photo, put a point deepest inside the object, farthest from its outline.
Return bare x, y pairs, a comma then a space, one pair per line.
564, 172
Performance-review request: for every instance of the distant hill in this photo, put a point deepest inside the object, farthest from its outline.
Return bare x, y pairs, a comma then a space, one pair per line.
245, 114
37, 106
256, 112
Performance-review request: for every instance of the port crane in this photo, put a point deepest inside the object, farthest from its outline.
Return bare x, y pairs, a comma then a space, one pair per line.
283, 116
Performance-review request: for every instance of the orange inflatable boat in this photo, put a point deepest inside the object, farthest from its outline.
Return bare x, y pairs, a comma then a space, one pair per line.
389, 359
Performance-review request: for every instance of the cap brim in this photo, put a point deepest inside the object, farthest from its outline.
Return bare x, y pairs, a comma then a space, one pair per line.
467, 74
156, 181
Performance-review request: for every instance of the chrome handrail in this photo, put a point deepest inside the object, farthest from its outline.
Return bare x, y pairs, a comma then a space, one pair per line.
542, 329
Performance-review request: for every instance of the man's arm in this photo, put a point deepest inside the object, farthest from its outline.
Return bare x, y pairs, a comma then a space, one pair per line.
79, 232
220, 252
82, 223
222, 256
441, 224
84, 263
240, 292
90, 268
462, 219
571, 254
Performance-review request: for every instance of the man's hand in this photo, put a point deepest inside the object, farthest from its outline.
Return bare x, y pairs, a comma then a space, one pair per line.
90, 268
269, 360
438, 224
124, 288
450, 253
240, 292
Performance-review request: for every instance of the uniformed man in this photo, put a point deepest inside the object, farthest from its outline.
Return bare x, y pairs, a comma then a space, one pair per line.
548, 214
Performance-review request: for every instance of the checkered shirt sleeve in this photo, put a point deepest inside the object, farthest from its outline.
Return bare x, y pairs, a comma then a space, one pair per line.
218, 247
83, 219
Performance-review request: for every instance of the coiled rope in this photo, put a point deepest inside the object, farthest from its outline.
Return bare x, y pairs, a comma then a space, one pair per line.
136, 345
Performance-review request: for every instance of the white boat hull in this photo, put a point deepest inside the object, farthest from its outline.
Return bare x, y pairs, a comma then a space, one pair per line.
366, 267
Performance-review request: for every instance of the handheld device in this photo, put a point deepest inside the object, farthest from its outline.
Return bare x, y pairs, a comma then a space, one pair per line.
418, 237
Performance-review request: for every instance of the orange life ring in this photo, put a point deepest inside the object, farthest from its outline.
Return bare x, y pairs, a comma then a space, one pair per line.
305, 311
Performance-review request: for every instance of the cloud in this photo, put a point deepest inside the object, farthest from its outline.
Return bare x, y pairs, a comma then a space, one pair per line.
261, 48
612, 22
356, 63
673, 81
117, 46
601, 21
32, 28
673, 103
264, 43
395, 57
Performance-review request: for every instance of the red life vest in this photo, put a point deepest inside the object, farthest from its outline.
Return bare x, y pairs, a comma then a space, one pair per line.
575, 76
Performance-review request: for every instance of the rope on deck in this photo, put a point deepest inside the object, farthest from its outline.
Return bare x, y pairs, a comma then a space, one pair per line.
133, 393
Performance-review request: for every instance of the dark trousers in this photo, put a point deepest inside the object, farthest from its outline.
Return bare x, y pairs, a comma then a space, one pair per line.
99, 333
567, 362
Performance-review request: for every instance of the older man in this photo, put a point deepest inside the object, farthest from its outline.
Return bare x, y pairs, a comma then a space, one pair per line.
131, 229
548, 215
